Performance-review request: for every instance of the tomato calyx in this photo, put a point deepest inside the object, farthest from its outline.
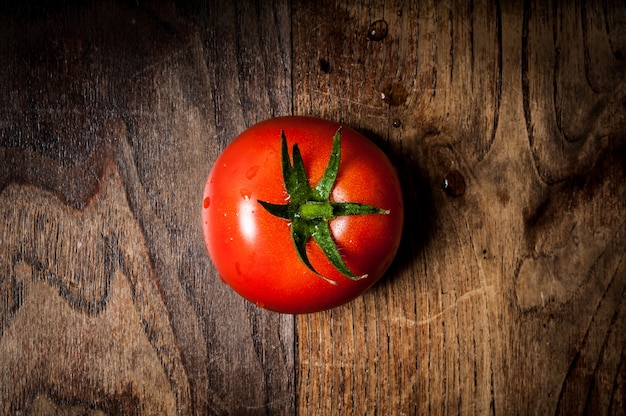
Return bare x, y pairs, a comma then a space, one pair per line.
310, 210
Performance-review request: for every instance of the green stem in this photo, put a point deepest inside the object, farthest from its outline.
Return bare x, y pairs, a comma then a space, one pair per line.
310, 209
316, 210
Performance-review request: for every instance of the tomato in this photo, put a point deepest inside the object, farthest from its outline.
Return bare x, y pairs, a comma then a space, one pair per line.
306, 230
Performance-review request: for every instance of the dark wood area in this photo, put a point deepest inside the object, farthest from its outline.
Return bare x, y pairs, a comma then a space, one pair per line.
506, 120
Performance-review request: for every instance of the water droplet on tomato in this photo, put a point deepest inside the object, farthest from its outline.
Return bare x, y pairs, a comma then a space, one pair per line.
207, 202
378, 30
454, 183
252, 171
245, 194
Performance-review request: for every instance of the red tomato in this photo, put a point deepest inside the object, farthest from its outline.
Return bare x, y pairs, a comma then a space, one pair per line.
253, 250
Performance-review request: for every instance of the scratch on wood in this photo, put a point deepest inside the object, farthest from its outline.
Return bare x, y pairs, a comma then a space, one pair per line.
466, 296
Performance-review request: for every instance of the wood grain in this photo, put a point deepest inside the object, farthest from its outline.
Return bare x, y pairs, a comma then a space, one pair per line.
507, 299
507, 296
108, 162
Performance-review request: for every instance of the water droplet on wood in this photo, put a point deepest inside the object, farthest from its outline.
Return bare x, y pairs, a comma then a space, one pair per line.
378, 30
396, 123
454, 183
394, 94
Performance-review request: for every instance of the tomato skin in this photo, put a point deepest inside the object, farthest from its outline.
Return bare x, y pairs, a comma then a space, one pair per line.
252, 250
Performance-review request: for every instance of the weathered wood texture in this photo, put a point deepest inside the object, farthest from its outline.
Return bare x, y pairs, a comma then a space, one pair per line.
507, 299
507, 295
112, 118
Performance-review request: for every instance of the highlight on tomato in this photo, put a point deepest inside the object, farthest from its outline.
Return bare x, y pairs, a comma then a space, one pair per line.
302, 214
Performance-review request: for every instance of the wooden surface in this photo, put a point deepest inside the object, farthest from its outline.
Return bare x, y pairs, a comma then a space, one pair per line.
507, 296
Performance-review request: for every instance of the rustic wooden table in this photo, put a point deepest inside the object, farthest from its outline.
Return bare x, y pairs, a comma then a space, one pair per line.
507, 295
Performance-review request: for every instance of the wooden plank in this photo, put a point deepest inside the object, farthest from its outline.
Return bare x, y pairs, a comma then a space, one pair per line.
508, 297
112, 118
247, 45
